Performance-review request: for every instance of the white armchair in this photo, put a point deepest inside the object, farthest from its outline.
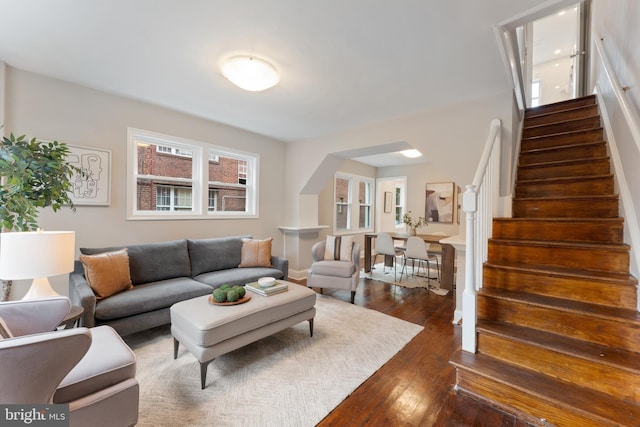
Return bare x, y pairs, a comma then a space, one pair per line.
334, 274
91, 370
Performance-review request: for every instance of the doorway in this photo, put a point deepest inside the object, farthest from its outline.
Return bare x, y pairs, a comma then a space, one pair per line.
555, 64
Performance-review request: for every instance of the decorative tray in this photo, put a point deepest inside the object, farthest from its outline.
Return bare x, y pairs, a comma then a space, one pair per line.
242, 300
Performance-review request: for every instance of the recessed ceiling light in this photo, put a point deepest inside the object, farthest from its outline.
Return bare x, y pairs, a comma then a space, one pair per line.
557, 51
412, 154
557, 87
561, 13
556, 65
250, 73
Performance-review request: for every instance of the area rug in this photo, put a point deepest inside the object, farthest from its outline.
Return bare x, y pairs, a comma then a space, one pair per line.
288, 379
384, 274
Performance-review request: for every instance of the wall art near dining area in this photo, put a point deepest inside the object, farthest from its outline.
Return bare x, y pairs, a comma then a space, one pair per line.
92, 186
439, 202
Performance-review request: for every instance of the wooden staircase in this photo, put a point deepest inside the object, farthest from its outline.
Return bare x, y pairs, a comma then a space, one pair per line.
558, 330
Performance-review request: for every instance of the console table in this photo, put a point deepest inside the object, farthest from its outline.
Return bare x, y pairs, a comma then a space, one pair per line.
448, 255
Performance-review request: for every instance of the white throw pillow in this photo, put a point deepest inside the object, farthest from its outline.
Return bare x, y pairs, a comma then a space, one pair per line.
338, 248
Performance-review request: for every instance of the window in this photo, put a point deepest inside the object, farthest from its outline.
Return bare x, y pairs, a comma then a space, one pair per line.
353, 203
171, 198
242, 172
171, 177
364, 197
213, 200
535, 93
343, 194
399, 205
173, 151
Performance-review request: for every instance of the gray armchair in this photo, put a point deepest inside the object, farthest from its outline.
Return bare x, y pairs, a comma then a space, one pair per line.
91, 370
334, 274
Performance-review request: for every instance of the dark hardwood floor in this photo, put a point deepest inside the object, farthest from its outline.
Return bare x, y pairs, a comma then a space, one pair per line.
415, 388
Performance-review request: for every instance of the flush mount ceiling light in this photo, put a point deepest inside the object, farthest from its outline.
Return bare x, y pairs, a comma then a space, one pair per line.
412, 154
250, 73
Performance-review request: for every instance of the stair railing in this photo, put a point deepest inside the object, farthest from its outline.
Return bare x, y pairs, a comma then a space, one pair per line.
624, 150
480, 203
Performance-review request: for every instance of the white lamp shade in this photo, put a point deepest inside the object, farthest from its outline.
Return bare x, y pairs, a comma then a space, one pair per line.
35, 254
250, 73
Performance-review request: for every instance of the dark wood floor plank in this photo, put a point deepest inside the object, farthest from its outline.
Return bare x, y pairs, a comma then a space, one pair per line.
415, 387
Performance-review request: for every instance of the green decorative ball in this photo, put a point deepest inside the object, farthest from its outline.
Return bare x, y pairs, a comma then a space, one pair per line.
225, 287
232, 295
219, 295
241, 291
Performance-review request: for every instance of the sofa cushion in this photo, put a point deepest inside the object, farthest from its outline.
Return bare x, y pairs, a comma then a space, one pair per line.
107, 273
149, 297
151, 262
108, 361
237, 276
333, 268
255, 253
214, 254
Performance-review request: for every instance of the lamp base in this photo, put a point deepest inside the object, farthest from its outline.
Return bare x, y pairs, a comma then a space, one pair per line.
40, 289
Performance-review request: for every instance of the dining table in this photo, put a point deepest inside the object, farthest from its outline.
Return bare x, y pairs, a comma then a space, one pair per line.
447, 267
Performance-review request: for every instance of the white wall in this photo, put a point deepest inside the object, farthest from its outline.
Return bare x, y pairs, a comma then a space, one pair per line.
555, 79
417, 177
386, 221
54, 110
616, 21
453, 137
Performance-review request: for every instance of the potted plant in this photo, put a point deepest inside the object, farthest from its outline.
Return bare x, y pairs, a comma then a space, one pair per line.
413, 224
33, 175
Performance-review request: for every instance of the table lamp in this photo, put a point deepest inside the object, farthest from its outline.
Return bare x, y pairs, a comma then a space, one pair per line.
36, 255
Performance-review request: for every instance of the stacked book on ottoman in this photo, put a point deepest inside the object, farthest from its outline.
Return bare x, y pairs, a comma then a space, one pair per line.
265, 292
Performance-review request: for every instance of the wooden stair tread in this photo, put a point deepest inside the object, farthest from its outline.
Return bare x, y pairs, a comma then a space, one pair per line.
559, 304
559, 134
620, 247
592, 198
567, 146
546, 388
615, 357
564, 162
564, 220
571, 111
560, 122
553, 107
564, 178
604, 276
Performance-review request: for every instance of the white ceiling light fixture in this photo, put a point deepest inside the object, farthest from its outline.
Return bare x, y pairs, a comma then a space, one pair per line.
412, 154
250, 73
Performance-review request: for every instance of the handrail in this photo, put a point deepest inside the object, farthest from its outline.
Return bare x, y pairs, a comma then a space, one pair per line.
628, 112
479, 202
494, 128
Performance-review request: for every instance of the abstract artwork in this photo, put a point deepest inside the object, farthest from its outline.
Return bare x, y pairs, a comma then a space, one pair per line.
439, 202
92, 186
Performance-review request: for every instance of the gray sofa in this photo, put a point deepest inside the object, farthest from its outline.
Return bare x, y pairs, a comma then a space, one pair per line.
162, 274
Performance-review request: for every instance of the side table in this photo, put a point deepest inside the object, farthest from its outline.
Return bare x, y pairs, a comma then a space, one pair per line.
72, 318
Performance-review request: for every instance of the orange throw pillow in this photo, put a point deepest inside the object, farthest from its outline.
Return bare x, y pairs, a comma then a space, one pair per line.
256, 253
107, 273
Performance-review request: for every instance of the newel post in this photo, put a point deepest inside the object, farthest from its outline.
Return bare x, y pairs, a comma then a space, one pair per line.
469, 301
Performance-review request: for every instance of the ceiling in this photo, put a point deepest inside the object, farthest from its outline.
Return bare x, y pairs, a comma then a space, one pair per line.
343, 64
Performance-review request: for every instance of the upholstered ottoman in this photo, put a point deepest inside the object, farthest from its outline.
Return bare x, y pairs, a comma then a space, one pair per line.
209, 331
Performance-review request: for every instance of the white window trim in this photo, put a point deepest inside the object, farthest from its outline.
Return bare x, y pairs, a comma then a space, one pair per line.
200, 187
353, 204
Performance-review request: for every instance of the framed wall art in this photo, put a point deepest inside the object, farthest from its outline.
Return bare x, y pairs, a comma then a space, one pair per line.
92, 187
439, 202
388, 201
